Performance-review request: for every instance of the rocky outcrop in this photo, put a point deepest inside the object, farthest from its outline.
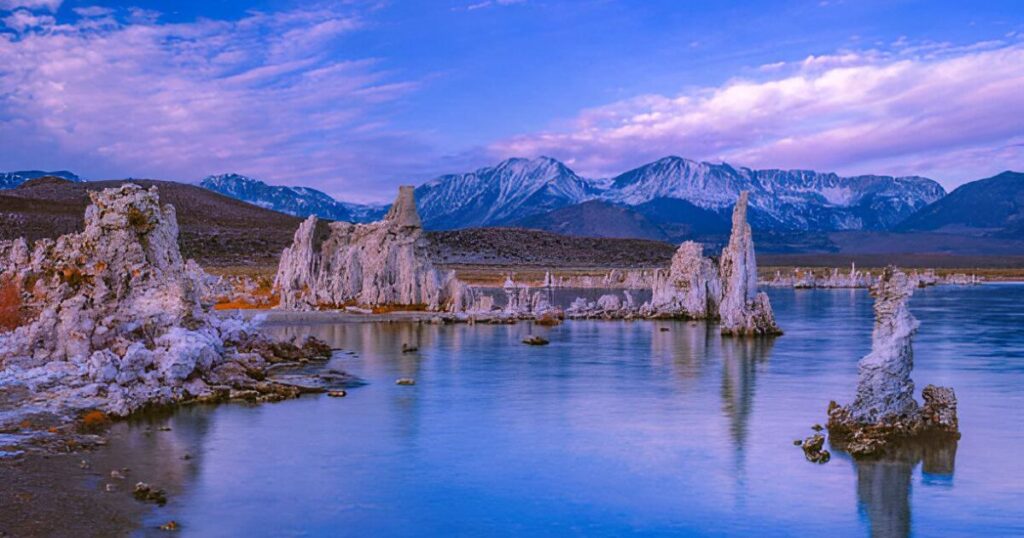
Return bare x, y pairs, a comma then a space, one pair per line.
834, 278
805, 278
113, 318
691, 288
382, 263
743, 310
884, 410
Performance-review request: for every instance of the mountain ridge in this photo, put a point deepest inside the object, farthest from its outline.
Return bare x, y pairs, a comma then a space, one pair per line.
993, 205
295, 201
12, 180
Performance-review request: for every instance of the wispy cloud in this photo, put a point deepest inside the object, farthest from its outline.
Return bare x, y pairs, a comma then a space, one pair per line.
915, 108
50, 5
492, 3
262, 95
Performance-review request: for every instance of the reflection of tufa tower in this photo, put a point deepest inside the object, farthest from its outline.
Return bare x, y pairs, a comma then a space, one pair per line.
884, 485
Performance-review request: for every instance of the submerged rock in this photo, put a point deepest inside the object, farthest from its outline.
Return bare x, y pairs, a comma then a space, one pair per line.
744, 311
814, 450
535, 340
382, 263
884, 410
146, 493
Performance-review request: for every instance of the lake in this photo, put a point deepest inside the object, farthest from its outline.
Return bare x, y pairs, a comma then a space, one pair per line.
615, 428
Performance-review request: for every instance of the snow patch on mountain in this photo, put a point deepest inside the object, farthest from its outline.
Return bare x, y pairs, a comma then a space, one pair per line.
298, 201
780, 199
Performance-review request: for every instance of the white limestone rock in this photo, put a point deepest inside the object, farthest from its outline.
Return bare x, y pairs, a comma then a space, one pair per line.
884, 388
884, 410
113, 316
382, 263
743, 311
691, 288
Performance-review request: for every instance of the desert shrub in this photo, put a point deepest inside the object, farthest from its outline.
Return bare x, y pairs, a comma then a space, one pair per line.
548, 319
10, 305
94, 421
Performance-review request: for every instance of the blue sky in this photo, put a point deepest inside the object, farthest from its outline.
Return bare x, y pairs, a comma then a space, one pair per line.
356, 97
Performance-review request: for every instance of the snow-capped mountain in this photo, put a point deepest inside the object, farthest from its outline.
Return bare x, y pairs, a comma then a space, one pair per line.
679, 196
10, 180
298, 201
512, 190
780, 199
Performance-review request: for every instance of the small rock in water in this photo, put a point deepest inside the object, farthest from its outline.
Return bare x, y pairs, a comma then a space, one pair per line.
337, 393
406, 348
84, 465
110, 488
146, 493
813, 449
170, 526
535, 340
663, 329
405, 381
117, 474
797, 442
817, 427
187, 456
165, 428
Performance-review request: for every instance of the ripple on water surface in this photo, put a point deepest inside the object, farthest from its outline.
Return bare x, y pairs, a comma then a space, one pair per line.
614, 428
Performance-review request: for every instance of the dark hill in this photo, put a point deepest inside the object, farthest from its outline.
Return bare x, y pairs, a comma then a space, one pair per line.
518, 246
595, 219
215, 229
993, 206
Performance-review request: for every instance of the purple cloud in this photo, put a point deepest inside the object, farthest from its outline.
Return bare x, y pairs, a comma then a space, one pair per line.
49, 5
260, 95
927, 109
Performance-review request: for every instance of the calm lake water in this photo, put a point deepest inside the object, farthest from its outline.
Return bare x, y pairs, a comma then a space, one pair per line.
616, 428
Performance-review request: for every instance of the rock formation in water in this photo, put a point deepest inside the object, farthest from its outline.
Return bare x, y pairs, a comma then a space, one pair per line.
807, 278
382, 263
884, 409
691, 288
112, 318
743, 310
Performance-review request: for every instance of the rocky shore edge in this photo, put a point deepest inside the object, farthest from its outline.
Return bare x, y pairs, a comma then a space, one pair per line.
110, 322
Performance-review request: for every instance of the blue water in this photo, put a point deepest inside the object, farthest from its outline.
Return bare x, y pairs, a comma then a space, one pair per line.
616, 428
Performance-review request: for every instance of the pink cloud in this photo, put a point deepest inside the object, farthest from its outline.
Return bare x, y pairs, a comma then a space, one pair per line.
904, 111
50, 5
261, 95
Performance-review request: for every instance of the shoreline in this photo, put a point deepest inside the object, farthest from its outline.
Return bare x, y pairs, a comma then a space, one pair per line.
274, 317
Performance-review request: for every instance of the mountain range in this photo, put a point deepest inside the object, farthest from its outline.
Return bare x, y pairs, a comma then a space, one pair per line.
297, 201
993, 206
669, 199
10, 180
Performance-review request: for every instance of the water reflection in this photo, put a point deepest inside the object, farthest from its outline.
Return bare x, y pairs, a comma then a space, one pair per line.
740, 360
615, 428
884, 485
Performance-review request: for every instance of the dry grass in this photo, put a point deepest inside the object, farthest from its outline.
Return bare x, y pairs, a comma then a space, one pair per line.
10, 306
256, 272
548, 319
94, 421
237, 304
387, 309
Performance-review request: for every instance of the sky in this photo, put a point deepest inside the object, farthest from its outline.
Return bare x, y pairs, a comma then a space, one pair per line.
355, 97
